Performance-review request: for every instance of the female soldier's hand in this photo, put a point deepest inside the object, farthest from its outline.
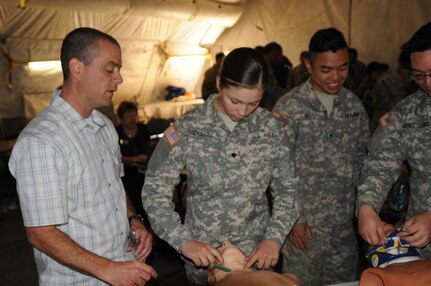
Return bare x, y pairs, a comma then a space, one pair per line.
202, 254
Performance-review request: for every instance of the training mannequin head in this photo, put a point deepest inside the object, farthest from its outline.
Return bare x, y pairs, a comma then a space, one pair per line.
234, 259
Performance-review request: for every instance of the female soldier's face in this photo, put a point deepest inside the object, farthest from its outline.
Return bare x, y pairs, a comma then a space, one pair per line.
239, 102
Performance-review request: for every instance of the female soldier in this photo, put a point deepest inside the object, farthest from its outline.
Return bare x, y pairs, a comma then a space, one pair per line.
232, 150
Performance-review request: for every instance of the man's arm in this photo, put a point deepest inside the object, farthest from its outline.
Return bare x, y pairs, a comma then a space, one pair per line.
60, 247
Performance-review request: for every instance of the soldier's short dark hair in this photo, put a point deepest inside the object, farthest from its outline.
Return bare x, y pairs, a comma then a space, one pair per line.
243, 67
81, 43
326, 40
420, 41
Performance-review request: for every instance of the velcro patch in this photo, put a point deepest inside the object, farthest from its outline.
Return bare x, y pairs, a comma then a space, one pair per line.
172, 136
280, 117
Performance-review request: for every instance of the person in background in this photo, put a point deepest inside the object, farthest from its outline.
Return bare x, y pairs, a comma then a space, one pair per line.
67, 165
209, 84
299, 73
232, 150
278, 62
357, 71
366, 89
328, 131
278, 72
404, 134
134, 138
392, 88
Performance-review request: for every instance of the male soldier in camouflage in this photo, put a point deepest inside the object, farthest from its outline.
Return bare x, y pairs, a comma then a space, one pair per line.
232, 150
328, 130
404, 133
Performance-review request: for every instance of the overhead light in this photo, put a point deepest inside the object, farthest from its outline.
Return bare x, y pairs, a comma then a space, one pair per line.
45, 65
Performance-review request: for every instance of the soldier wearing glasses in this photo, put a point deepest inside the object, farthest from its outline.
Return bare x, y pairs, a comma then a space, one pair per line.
404, 134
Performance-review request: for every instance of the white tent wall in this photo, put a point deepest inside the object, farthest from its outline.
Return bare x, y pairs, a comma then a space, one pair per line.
150, 33
376, 28
169, 41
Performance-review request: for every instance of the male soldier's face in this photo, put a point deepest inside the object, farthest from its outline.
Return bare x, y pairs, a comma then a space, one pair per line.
102, 76
421, 65
239, 102
329, 70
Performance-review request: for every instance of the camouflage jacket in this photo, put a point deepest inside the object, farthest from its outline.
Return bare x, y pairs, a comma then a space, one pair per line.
405, 133
328, 152
227, 176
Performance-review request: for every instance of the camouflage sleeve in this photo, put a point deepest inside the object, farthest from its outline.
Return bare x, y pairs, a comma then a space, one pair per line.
382, 165
160, 179
284, 183
362, 148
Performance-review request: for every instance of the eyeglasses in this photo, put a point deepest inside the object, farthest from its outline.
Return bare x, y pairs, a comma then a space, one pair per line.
419, 76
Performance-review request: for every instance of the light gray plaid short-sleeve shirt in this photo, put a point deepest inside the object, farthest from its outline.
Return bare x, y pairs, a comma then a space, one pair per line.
68, 174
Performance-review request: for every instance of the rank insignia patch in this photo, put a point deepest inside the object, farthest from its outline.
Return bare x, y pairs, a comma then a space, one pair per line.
172, 136
385, 120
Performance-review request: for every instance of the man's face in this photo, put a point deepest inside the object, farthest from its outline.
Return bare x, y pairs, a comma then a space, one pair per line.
421, 64
329, 70
240, 102
102, 76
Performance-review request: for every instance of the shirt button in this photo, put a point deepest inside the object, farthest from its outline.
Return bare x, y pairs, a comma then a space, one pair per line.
233, 155
103, 160
109, 185
121, 233
116, 209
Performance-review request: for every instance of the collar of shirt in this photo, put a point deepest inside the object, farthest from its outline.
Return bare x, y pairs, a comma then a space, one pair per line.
73, 117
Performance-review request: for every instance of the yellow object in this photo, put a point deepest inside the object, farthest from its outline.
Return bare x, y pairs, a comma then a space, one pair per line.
22, 4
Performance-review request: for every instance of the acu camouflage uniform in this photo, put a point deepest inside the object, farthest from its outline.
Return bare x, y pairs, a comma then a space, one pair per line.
228, 174
406, 134
328, 152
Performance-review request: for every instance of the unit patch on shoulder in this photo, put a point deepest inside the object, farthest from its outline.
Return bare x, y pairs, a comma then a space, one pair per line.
280, 117
385, 120
172, 136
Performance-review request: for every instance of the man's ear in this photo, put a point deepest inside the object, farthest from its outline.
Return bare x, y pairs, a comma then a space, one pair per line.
308, 65
76, 68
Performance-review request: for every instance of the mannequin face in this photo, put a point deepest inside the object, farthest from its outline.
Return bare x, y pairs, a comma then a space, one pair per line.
233, 257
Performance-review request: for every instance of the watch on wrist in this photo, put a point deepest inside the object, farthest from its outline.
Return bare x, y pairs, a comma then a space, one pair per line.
137, 217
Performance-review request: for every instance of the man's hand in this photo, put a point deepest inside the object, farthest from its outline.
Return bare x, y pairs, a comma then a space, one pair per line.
202, 254
128, 273
145, 237
299, 236
265, 253
417, 230
371, 227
